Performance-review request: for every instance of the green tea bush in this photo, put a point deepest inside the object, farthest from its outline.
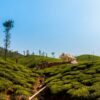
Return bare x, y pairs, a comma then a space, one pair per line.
2, 96
17, 77
79, 93
81, 81
90, 71
5, 84
56, 87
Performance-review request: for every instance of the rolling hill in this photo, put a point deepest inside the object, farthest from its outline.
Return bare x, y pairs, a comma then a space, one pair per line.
87, 57
73, 82
68, 81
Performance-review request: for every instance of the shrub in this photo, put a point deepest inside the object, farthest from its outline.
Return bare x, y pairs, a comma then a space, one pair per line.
2, 96
79, 93
5, 84
56, 88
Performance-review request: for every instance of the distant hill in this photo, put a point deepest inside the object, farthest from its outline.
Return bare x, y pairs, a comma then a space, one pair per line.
88, 57
26, 60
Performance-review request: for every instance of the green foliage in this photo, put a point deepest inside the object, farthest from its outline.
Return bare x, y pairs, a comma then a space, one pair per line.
22, 92
79, 93
85, 58
2, 96
80, 81
32, 60
4, 84
56, 86
17, 77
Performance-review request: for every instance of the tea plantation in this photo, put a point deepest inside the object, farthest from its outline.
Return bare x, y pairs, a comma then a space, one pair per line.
64, 82
17, 79
73, 82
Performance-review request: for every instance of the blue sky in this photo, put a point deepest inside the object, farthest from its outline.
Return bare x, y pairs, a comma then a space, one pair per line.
71, 26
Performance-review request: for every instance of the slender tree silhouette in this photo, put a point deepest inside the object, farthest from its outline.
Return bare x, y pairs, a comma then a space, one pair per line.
8, 25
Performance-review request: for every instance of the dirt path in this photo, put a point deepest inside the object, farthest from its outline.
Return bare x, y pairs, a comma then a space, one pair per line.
33, 97
38, 88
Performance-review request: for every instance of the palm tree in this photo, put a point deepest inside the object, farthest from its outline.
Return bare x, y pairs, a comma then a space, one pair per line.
8, 25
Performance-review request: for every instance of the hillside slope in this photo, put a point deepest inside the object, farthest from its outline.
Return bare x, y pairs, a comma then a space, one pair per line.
73, 82
15, 79
88, 57
18, 79
32, 60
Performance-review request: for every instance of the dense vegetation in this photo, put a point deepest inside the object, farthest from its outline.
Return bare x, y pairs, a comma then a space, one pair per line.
18, 78
15, 79
32, 60
85, 58
10, 54
73, 82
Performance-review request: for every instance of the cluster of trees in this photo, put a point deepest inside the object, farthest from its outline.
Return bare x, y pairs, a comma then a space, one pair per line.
40, 53
45, 54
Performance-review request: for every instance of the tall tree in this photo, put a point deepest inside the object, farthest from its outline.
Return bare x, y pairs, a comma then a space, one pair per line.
27, 52
53, 54
8, 25
24, 53
39, 52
